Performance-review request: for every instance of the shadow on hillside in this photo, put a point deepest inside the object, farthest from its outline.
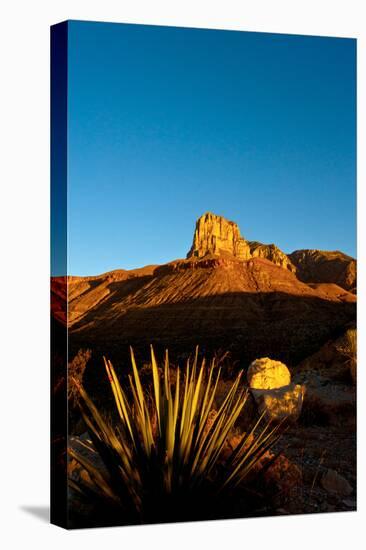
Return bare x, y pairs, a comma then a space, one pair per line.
249, 325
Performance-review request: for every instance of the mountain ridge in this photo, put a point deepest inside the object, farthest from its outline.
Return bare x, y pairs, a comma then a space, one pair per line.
215, 236
213, 298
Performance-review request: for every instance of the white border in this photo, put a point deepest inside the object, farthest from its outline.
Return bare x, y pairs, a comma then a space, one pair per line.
25, 266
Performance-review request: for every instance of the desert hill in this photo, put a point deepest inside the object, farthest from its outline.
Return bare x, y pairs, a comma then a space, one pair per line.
228, 294
214, 235
320, 266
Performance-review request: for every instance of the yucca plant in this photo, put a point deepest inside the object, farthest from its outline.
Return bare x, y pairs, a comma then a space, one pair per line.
163, 460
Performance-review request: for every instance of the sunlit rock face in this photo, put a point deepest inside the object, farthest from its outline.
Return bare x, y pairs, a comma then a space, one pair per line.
280, 403
266, 374
272, 253
218, 236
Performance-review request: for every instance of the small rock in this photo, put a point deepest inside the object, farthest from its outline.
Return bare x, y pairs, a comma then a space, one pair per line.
333, 482
283, 475
232, 443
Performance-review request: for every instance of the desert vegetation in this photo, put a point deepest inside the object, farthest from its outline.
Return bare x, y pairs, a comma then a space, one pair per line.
170, 456
348, 348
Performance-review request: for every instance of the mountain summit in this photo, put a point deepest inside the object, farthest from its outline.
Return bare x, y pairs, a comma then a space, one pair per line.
217, 236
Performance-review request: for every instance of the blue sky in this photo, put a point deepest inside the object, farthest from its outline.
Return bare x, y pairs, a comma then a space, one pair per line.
167, 123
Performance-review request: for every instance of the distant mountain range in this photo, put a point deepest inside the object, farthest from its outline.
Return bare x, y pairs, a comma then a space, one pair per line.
245, 297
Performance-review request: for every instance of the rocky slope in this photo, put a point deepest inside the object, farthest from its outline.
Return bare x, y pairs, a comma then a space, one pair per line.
320, 266
271, 252
81, 294
218, 237
251, 309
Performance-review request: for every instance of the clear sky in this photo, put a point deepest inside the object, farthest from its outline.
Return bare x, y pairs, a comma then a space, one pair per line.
167, 123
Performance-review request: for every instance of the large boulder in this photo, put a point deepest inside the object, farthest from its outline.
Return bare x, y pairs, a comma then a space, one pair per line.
270, 384
280, 403
267, 374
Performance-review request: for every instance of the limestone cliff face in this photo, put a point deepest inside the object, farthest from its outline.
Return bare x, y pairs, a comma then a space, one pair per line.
214, 235
217, 236
272, 253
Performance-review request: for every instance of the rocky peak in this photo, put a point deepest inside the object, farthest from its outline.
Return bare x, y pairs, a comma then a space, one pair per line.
218, 236
272, 253
218, 239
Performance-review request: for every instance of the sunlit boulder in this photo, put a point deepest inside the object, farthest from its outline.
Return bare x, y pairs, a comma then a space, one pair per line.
266, 374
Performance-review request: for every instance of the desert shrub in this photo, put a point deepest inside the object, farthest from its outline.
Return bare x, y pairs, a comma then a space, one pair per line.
225, 360
348, 348
348, 344
163, 460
